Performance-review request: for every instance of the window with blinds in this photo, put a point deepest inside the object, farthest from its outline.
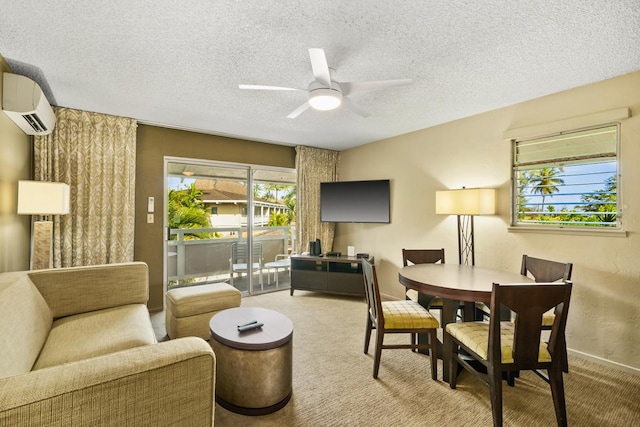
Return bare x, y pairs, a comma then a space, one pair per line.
567, 180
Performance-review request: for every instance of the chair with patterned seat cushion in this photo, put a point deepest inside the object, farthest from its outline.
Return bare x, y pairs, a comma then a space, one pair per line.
423, 256
504, 347
543, 270
396, 317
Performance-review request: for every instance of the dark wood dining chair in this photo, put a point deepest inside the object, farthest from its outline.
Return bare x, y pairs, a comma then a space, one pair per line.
423, 256
543, 270
396, 317
503, 347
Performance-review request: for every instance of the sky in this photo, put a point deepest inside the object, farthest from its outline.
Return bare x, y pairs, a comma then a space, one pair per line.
578, 179
178, 183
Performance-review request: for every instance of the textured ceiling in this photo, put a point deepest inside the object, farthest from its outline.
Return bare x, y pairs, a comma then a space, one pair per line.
179, 63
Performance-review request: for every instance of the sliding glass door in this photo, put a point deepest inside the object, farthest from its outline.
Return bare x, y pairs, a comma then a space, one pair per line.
228, 223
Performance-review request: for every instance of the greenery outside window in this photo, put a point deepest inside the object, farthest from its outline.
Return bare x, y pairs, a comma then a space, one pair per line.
569, 179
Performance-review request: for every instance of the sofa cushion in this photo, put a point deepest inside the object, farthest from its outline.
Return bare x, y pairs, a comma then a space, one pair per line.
96, 333
24, 325
73, 290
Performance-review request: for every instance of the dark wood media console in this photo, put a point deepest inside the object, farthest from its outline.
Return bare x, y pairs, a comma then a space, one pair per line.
335, 275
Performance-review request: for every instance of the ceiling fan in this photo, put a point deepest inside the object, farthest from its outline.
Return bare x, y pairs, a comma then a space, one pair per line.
327, 94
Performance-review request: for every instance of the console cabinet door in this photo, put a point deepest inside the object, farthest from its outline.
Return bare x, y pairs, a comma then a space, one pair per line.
348, 283
310, 280
333, 275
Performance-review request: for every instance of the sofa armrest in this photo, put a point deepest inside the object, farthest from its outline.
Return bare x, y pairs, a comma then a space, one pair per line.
170, 383
76, 290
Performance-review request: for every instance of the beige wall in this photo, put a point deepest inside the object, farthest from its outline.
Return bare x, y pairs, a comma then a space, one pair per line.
154, 143
15, 164
604, 318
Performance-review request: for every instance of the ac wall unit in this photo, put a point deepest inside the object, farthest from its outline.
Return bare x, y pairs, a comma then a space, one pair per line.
24, 102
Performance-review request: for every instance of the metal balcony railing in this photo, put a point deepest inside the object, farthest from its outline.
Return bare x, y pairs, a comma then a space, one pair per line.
199, 261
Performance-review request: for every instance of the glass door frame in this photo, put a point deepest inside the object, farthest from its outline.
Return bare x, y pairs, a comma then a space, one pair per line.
250, 170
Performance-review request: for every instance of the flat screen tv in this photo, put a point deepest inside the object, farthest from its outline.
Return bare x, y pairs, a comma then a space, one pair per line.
355, 201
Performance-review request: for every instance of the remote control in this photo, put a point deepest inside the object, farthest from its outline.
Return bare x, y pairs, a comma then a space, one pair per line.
247, 324
250, 327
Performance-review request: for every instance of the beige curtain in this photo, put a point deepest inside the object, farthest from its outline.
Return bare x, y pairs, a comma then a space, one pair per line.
96, 155
313, 166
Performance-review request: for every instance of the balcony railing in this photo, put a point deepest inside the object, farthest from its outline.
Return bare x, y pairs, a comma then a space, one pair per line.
201, 261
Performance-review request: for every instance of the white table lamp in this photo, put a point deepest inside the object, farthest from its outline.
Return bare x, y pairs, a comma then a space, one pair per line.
42, 198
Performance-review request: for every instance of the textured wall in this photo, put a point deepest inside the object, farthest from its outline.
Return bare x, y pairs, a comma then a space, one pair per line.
15, 164
472, 152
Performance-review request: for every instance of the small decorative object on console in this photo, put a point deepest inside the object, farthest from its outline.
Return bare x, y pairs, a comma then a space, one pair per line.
315, 248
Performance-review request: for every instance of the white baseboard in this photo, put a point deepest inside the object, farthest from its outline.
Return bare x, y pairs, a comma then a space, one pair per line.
604, 362
386, 297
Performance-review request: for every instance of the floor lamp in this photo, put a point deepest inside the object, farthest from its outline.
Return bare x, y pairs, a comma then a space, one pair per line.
42, 198
466, 203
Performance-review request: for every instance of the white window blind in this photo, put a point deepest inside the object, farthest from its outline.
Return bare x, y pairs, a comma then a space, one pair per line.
569, 179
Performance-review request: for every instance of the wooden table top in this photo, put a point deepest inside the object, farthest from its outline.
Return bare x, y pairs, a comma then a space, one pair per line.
457, 282
276, 331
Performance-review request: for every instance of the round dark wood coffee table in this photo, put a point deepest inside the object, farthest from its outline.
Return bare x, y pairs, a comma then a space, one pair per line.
254, 368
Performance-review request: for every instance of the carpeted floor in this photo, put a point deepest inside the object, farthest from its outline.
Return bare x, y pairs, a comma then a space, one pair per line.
333, 383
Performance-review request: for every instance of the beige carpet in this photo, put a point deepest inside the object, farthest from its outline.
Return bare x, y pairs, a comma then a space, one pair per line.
333, 383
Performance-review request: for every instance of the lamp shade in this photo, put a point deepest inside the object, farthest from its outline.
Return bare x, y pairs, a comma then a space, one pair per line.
43, 198
466, 201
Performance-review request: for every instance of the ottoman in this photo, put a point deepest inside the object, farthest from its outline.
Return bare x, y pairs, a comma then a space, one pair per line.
189, 309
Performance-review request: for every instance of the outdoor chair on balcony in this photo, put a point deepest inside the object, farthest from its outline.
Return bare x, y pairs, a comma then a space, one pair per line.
239, 261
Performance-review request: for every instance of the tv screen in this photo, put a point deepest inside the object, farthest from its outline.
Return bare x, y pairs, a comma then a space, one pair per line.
355, 201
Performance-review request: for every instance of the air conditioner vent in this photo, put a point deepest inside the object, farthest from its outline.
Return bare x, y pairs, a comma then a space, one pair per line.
35, 122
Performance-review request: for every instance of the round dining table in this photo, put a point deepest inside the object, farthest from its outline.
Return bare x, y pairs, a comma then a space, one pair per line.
455, 283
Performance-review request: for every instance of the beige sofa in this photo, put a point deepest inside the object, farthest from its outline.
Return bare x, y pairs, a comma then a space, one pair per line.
77, 348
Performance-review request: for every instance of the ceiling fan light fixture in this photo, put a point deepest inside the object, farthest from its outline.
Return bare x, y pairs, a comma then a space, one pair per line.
325, 99
324, 93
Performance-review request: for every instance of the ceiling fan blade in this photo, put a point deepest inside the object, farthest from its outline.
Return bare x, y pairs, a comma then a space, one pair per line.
320, 67
301, 109
263, 87
355, 107
349, 88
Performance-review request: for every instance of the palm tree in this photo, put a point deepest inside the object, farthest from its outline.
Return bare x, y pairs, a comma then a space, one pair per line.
186, 209
545, 182
290, 200
603, 201
523, 181
270, 192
